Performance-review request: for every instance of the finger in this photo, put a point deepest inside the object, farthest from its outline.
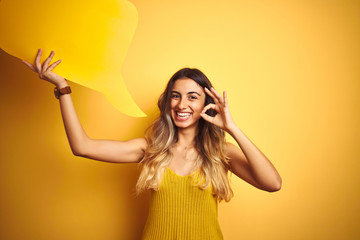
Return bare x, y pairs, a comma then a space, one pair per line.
225, 99
217, 95
52, 66
207, 117
37, 60
209, 106
29, 65
211, 95
47, 61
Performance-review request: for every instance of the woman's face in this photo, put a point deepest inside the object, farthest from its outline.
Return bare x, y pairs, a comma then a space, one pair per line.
187, 102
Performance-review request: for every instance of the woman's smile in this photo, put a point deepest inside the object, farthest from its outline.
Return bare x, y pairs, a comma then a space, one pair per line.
182, 116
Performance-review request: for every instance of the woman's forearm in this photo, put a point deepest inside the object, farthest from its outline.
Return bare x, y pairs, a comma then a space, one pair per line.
74, 131
263, 170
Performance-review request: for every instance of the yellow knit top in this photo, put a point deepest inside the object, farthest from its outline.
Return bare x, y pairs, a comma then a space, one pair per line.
179, 210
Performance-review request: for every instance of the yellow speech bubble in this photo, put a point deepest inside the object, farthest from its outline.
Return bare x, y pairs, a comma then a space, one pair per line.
91, 38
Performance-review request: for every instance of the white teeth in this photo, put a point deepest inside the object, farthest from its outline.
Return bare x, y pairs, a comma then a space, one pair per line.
183, 114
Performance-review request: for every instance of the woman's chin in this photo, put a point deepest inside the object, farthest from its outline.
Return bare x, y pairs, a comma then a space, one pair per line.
185, 125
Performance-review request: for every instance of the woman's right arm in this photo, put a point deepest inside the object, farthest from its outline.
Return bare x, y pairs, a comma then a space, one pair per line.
98, 149
80, 143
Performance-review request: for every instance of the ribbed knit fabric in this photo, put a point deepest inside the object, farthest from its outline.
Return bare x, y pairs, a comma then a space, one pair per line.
181, 211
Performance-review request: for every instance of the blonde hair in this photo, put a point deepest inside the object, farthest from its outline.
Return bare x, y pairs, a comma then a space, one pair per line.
209, 142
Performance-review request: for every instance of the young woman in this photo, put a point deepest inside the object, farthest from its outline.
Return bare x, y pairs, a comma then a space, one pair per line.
185, 159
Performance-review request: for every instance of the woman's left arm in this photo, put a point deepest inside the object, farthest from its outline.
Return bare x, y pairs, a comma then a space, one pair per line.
248, 162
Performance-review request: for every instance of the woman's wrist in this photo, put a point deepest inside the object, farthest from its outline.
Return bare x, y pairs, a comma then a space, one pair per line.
62, 84
61, 89
232, 129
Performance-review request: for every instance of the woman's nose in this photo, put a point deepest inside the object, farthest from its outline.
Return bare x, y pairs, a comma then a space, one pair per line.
182, 104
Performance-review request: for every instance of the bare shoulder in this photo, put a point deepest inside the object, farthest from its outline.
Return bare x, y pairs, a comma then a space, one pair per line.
237, 158
232, 151
141, 142
240, 165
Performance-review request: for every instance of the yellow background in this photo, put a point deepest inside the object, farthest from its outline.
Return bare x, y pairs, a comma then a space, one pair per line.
291, 69
92, 37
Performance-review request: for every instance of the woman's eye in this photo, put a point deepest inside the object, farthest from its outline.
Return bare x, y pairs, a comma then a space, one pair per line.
174, 96
193, 97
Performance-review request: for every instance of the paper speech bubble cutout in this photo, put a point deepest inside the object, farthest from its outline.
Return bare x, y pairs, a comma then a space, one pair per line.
90, 37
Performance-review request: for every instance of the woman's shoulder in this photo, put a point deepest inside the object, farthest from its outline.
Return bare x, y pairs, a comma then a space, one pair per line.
136, 144
140, 142
230, 147
231, 150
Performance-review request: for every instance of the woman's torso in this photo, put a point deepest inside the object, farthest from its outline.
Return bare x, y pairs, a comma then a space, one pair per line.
180, 210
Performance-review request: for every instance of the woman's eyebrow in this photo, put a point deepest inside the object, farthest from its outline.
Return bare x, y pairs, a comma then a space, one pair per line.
193, 92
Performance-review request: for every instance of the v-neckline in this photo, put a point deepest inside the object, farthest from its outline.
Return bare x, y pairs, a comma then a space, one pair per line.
182, 175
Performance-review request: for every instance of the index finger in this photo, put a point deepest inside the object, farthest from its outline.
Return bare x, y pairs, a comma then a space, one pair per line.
218, 96
211, 95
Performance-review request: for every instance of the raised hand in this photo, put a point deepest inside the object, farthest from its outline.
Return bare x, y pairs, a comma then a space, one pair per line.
223, 117
44, 70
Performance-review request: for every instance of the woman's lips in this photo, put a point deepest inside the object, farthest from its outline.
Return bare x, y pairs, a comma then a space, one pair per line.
182, 116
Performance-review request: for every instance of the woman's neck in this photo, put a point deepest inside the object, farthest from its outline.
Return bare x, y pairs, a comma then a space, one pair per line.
186, 137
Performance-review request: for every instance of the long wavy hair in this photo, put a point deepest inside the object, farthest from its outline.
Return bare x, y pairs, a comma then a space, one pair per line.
209, 143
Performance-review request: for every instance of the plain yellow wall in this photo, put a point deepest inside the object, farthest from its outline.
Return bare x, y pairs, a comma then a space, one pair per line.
291, 70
